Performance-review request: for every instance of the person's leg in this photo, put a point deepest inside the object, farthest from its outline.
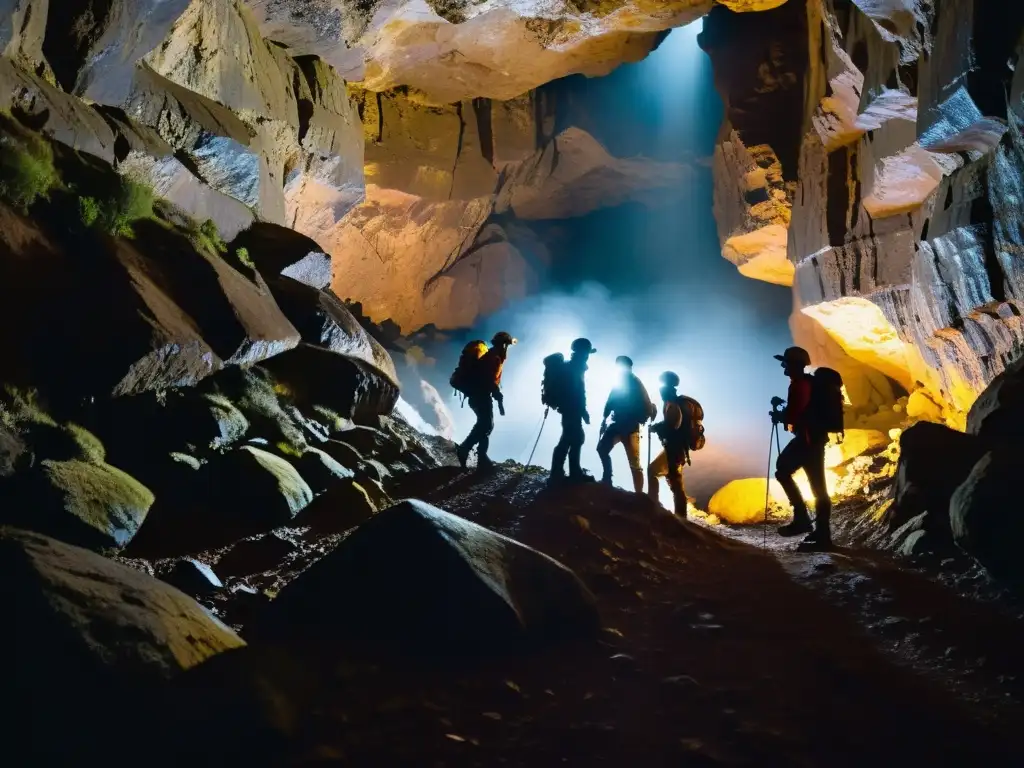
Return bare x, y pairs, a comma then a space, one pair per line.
604, 450
815, 469
674, 473
472, 438
657, 468
561, 449
485, 423
576, 439
631, 443
791, 460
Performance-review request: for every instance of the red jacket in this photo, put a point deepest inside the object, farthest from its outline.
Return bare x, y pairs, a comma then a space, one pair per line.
797, 404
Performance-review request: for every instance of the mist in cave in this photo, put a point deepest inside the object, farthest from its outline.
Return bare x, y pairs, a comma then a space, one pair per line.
648, 282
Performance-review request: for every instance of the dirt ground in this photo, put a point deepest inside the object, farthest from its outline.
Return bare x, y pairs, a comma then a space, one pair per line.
715, 652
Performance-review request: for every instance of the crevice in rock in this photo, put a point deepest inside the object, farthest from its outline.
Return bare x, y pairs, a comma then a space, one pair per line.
458, 147
482, 108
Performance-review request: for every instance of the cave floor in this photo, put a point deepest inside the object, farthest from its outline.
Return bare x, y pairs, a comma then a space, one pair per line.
714, 653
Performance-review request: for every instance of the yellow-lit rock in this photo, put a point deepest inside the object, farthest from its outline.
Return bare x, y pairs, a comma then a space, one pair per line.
742, 502
860, 328
761, 254
923, 408
855, 442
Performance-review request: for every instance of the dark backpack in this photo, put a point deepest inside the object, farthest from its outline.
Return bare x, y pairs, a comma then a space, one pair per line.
825, 412
555, 384
466, 379
693, 423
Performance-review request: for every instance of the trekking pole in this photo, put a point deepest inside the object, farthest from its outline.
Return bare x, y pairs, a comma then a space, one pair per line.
773, 439
539, 433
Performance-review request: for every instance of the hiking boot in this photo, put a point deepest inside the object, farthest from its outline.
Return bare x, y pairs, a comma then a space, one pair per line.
484, 463
582, 477
606, 481
798, 527
463, 456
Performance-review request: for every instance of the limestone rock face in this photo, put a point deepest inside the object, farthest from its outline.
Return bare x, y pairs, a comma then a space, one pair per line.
464, 49
897, 132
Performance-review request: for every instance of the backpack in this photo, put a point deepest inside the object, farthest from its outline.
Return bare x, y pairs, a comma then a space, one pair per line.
693, 423
465, 379
825, 413
554, 385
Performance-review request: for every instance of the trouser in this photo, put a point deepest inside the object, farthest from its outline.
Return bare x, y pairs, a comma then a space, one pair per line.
668, 464
569, 444
480, 435
808, 455
629, 436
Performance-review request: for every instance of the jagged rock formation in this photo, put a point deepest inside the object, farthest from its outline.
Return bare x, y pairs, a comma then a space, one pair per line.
463, 49
238, 112
890, 158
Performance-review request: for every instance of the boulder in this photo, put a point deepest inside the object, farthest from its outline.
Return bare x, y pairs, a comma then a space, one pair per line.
319, 470
934, 460
742, 502
237, 494
346, 505
324, 321
415, 579
92, 505
164, 311
86, 633
277, 250
985, 514
264, 488
998, 413
343, 453
55, 113
349, 386
372, 443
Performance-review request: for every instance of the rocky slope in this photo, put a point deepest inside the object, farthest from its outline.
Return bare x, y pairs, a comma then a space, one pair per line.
881, 184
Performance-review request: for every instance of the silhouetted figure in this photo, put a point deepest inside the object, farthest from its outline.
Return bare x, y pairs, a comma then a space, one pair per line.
805, 451
629, 406
673, 432
480, 381
565, 390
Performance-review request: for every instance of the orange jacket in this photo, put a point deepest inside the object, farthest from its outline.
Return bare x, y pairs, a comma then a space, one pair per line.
491, 365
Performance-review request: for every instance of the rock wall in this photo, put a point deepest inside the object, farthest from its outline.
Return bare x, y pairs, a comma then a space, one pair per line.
873, 157
413, 140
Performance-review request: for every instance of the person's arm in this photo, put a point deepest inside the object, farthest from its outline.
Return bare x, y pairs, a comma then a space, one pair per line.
799, 400
608, 406
673, 416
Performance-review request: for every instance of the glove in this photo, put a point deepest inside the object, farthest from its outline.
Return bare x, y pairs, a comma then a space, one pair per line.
501, 407
586, 417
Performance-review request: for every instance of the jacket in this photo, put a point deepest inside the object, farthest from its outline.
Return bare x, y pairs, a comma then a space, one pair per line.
490, 368
630, 404
575, 387
797, 406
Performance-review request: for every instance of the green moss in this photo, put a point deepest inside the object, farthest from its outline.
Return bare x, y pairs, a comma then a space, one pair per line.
27, 171
90, 447
109, 501
293, 489
209, 232
242, 254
